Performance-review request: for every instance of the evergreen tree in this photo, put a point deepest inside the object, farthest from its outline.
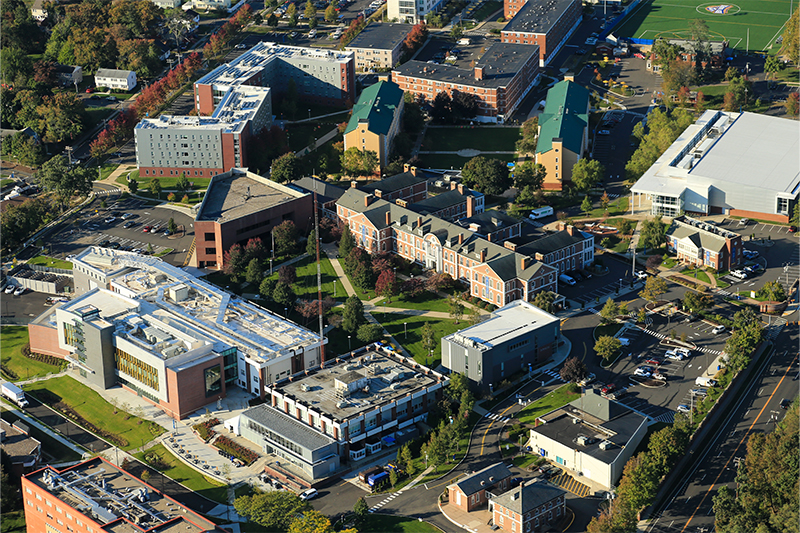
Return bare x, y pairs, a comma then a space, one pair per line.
254, 273
311, 245
353, 314
346, 243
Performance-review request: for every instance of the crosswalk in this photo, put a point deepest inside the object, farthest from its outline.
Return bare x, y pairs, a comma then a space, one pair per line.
593, 310
698, 348
499, 418
613, 195
384, 502
667, 417
108, 192
554, 374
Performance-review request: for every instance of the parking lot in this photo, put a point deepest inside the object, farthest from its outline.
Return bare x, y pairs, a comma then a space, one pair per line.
590, 291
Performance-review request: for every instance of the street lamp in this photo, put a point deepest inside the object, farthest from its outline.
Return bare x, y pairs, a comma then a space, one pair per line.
405, 329
334, 288
349, 345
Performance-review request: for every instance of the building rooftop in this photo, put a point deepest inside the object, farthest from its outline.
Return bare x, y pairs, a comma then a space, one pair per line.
564, 117
111, 496
538, 16
741, 148
238, 193
386, 36
528, 496
603, 428
17, 444
501, 63
183, 317
112, 73
252, 62
701, 234
326, 192
353, 386
291, 428
510, 321
438, 202
376, 108
553, 242
488, 221
483, 479
395, 183
237, 107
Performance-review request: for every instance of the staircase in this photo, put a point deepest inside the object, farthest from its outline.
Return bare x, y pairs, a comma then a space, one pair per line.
190, 252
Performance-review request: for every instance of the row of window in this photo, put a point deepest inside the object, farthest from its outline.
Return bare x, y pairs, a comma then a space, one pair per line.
137, 369
179, 172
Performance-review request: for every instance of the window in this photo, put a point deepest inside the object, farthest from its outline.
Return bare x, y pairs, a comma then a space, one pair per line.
783, 205
212, 380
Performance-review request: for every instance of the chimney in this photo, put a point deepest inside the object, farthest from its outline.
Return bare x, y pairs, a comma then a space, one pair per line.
353, 184
406, 167
460, 238
489, 237
379, 193
478, 73
388, 218
453, 185
510, 245
470, 206
461, 188
419, 222
525, 262
571, 230
413, 171
561, 226
483, 255
539, 256
367, 200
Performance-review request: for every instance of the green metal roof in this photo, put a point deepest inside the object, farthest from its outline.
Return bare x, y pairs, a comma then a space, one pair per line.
376, 107
564, 117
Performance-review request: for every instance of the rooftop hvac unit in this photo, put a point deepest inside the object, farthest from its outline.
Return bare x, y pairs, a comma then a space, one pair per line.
582, 440
576, 420
304, 387
605, 445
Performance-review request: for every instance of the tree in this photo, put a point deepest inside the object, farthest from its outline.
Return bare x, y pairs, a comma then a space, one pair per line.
790, 47
310, 11
573, 370
489, 176
311, 244
57, 176
641, 316
795, 215
272, 510
586, 205
368, 333
697, 301
346, 242
441, 110
291, 13
330, 13
286, 168
530, 131
287, 274
529, 174
155, 187
544, 300
171, 225
386, 285
587, 173
772, 291
353, 314
653, 288
428, 338
254, 273
416, 37
15, 66
609, 311
285, 236
267, 287
606, 346
456, 308
412, 288
283, 294
604, 201
456, 31
133, 186
653, 233
463, 105
406, 460
792, 104
772, 66
361, 509
357, 162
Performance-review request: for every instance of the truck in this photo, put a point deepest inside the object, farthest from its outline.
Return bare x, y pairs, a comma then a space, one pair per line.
13, 393
705, 382
364, 475
376, 479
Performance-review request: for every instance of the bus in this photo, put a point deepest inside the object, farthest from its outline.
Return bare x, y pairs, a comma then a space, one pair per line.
541, 212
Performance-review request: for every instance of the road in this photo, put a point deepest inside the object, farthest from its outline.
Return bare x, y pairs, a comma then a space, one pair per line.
689, 507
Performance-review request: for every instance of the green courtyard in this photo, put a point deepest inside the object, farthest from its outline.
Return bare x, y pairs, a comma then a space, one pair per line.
13, 339
487, 139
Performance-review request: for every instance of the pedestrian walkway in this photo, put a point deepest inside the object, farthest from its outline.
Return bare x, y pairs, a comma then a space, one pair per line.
319, 142
555, 375
569, 483
499, 418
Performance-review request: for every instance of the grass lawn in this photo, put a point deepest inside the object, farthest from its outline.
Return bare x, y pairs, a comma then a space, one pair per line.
12, 339
14, 522
303, 134
164, 252
615, 208
558, 398
412, 341
50, 446
92, 407
122, 179
452, 161
607, 329
106, 170
380, 523
182, 473
167, 182
306, 284
491, 139
721, 283
489, 8
669, 262
6, 181
50, 262
524, 461
427, 301
95, 115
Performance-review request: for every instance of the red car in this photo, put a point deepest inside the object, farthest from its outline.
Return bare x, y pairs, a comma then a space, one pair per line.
147, 229
654, 362
608, 388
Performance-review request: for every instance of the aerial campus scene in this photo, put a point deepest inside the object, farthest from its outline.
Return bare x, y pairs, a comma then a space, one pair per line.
399, 266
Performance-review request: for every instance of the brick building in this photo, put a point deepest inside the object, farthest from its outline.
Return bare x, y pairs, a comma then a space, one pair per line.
705, 245
376, 120
565, 250
472, 492
494, 273
379, 45
321, 76
457, 203
23, 451
501, 78
409, 186
240, 206
547, 24
95, 496
494, 226
533, 506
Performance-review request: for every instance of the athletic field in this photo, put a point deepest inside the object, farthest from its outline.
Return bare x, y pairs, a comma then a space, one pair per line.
669, 19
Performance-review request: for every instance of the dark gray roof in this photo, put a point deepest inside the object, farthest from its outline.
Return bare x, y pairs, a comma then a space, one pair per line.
112, 73
506, 263
528, 496
438, 202
501, 63
489, 221
472, 483
551, 243
286, 426
395, 183
325, 191
538, 16
381, 36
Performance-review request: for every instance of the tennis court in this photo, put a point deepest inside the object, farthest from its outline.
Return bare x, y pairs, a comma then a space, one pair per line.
669, 19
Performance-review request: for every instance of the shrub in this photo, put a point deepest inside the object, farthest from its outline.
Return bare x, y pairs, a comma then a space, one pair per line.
240, 452
204, 430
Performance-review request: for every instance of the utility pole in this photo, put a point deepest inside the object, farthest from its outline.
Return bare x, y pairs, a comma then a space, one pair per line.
319, 277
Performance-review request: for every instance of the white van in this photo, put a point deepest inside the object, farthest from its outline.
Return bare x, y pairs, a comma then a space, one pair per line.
463, 42
541, 212
566, 279
308, 494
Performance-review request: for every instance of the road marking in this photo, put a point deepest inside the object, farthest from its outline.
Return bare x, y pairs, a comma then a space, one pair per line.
744, 437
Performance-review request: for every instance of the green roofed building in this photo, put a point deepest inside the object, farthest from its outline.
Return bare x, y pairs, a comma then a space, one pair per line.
376, 120
563, 132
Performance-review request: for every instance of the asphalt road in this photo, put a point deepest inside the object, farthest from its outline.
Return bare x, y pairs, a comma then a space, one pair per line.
689, 507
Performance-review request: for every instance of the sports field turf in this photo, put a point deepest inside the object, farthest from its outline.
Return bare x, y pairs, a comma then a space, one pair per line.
764, 19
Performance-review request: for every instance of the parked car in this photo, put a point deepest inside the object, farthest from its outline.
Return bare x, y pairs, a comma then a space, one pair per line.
147, 229
585, 273
308, 494
785, 403
566, 279
683, 408
104, 244
744, 221
674, 355
129, 224
19, 291
642, 372
586, 380
604, 132
654, 362
240, 46
699, 392
640, 274
10, 289
608, 388
740, 274
109, 220
718, 329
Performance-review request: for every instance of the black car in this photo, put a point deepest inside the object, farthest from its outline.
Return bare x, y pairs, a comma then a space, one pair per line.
104, 244
785, 403
515, 481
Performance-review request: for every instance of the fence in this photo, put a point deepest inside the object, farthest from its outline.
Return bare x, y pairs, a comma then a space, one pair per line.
42, 268
610, 25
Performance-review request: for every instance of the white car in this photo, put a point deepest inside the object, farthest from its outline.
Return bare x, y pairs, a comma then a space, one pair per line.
20, 291
591, 41
640, 274
674, 355
683, 408
10, 289
642, 372
718, 329
588, 379
308, 494
740, 274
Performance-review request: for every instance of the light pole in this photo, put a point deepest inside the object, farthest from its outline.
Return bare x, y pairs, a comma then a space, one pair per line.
349, 345
405, 329
334, 288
